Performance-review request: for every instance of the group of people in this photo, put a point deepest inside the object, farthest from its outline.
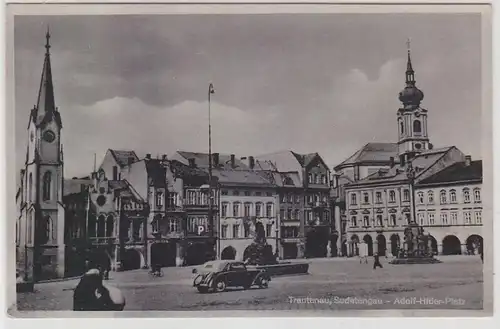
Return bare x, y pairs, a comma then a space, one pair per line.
92, 295
363, 256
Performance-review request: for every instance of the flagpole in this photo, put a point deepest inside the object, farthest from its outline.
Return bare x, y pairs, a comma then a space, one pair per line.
210, 200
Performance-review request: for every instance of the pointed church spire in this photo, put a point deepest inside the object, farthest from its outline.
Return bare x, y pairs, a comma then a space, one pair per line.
45, 103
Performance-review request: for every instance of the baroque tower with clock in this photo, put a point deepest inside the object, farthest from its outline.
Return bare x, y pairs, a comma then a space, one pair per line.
42, 210
412, 119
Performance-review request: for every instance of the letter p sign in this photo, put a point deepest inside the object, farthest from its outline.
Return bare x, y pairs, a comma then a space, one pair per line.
201, 229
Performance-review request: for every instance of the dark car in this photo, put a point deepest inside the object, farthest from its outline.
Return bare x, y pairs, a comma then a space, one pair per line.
216, 276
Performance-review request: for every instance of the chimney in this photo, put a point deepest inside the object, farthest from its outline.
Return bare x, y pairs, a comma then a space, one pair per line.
164, 157
233, 164
468, 160
148, 156
192, 162
251, 162
402, 159
130, 160
391, 160
215, 159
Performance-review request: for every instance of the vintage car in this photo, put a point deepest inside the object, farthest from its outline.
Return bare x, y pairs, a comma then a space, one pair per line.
216, 276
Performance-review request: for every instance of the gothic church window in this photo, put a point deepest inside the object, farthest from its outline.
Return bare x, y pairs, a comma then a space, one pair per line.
402, 127
101, 224
47, 183
417, 126
109, 226
45, 229
30, 184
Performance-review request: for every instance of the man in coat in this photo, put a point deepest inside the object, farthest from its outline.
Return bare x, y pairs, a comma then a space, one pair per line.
376, 262
91, 295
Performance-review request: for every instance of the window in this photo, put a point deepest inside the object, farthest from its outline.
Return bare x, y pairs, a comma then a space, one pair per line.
236, 231
443, 196
431, 219
420, 197
296, 214
354, 221
155, 223
454, 218
282, 214
323, 179
477, 217
30, 184
115, 172
45, 230
269, 210
47, 184
401, 127
378, 197
310, 178
444, 218
430, 197
247, 210
283, 198
159, 199
392, 196
417, 126
290, 197
101, 226
172, 225
224, 210
269, 229
247, 193
308, 216
316, 179
297, 198
246, 230
236, 193
109, 226
466, 195
366, 221
289, 214
236, 209
406, 195
453, 196
393, 220
309, 199
258, 209
224, 192
223, 231
366, 198
353, 199
379, 220
258, 193
407, 216
269, 193
467, 218
421, 217
477, 195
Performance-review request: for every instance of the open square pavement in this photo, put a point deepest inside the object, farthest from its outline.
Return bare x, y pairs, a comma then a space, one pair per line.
331, 284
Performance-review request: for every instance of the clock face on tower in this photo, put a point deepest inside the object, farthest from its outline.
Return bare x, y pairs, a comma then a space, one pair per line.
49, 136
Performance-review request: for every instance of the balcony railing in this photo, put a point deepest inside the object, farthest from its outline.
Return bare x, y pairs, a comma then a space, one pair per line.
102, 240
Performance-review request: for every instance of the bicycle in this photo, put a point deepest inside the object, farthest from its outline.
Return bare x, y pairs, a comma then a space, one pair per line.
158, 273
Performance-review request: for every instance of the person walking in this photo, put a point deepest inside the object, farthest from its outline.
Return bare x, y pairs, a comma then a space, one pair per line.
376, 262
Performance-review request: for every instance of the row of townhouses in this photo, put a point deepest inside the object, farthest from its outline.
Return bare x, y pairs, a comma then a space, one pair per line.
133, 212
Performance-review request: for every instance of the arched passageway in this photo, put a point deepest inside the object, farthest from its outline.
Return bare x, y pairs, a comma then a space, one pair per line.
369, 244
395, 244
381, 245
451, 245
228, 253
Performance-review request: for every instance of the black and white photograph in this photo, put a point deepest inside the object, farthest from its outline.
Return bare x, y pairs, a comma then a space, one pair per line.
300, 162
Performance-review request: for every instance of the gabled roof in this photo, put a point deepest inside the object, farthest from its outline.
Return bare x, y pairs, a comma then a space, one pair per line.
201, 160
457, 172
421, 163
372, 153
122, 156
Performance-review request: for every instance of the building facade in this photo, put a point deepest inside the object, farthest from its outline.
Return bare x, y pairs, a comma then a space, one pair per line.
449, 207
247, 200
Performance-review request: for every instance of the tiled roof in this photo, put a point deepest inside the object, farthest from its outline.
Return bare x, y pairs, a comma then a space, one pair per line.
241, 177
201, 160
182, 171
372, 152
457, 172
122, 156
304, 159
398, 173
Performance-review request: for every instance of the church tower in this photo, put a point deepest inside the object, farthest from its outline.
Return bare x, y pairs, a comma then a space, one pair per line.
412, 119
42, 212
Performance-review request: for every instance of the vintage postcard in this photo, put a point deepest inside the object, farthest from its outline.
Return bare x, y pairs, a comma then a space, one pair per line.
249, 160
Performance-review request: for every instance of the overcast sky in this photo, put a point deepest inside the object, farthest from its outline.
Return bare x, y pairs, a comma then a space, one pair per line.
324, 83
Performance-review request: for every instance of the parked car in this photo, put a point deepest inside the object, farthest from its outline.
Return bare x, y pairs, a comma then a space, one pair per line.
216, 276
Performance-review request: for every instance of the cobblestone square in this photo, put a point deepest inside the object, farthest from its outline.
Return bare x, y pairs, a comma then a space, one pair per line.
332, 284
